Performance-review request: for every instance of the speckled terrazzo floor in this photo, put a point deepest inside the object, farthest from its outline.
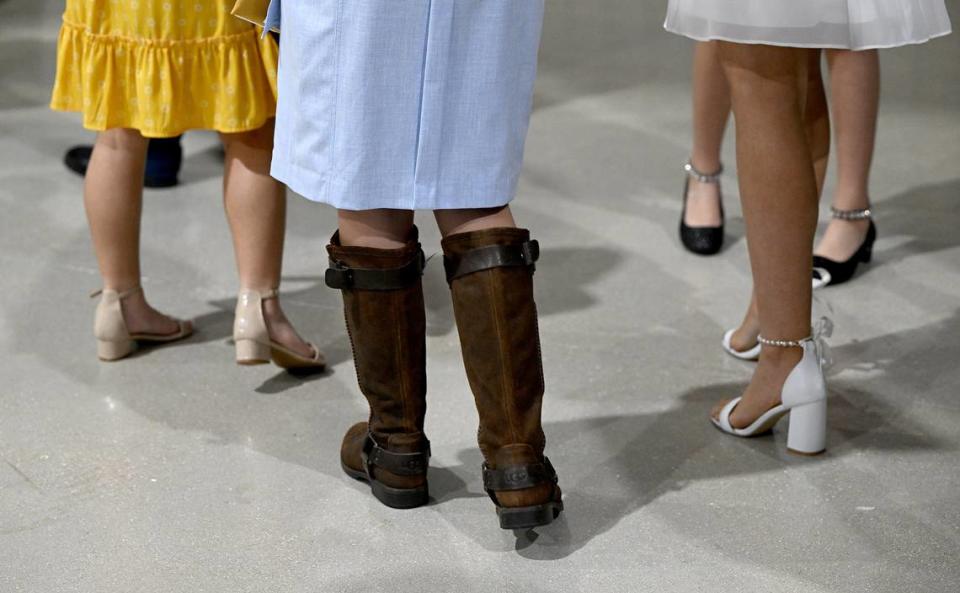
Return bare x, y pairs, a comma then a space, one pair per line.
176, 471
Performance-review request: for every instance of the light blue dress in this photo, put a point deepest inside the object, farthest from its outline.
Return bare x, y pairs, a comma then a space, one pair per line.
408, 104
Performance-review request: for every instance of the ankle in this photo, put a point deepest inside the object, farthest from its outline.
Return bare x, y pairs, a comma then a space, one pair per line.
272, 312
706, 164
780, 358
850, 199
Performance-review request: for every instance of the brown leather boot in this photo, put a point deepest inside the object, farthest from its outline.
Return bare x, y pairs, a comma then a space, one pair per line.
491, 278
383, 306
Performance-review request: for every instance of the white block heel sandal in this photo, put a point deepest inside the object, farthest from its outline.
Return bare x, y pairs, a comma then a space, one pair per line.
803, 397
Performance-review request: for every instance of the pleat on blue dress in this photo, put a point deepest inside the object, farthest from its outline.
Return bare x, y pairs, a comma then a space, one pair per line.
407, 104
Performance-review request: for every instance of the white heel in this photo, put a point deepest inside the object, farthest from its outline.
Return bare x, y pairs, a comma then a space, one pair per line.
807, 434
804, 397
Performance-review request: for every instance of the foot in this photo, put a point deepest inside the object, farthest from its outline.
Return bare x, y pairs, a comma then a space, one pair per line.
842, 239
281, 330
141, 318
703, 205
745, 337
764, 390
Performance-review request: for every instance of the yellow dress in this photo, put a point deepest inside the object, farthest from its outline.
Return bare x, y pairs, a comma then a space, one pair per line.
163, 67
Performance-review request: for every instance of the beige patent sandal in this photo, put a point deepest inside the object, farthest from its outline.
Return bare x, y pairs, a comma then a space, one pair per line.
252, 340
114, 340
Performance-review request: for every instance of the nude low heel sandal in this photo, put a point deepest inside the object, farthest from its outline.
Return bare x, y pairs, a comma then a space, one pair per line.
252, 340
114, 340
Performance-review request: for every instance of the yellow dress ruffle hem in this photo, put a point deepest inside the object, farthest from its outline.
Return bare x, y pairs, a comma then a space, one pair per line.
164, 67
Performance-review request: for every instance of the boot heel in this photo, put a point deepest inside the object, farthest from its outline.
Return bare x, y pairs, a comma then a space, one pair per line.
109, 350
808, 429
400, 498
252, 352
529, 517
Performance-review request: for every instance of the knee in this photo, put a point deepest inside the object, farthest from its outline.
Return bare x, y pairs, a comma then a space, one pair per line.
259, 140
125, 139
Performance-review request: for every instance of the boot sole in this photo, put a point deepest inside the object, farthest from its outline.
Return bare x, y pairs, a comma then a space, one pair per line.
529, 517
395, 498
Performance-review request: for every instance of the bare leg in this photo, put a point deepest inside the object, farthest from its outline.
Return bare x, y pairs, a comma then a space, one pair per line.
711, 109
113, 198
452, 222
380, 229
389, 229
817, 125
256, 209
855, 92
779, 193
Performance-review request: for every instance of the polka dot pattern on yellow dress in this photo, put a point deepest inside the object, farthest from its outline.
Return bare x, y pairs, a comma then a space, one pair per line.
164, 67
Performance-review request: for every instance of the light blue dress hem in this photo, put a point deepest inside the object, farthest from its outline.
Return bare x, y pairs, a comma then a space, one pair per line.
316, 188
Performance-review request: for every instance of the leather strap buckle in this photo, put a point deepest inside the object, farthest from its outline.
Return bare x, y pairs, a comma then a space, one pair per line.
342, 277
518, 477
493, 256
402, 464
338, 276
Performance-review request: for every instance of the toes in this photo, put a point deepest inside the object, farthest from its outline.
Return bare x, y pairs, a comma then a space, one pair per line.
715, 412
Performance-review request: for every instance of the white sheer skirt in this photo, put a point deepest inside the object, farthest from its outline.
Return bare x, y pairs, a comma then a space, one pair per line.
844, 24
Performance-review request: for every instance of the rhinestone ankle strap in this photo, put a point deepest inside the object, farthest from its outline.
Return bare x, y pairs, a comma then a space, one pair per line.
861, 214
703, 177
784, 343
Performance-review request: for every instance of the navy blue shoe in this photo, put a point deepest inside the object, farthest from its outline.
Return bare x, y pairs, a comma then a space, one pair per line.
164, 157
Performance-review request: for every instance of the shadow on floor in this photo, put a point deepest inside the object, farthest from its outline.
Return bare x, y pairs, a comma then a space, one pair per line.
927, 214
653, 454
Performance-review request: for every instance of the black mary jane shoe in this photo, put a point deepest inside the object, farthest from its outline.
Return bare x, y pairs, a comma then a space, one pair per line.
702, 240
827, 272
77, 159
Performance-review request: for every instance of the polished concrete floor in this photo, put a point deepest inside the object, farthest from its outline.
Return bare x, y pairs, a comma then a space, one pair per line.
177, 471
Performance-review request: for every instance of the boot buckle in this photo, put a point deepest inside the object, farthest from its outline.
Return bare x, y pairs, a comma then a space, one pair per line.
401, 464
338, 276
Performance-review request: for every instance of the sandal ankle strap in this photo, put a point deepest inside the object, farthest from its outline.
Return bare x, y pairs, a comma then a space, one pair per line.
120, 295
785, 343
700, 175
857, 214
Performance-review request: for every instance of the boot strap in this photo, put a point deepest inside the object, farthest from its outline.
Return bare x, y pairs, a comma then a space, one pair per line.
517, 477
402, 464
342, 277
493, 256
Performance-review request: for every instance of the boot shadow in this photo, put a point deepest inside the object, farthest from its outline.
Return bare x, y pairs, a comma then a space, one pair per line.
654, 454
562, 283
448, 484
